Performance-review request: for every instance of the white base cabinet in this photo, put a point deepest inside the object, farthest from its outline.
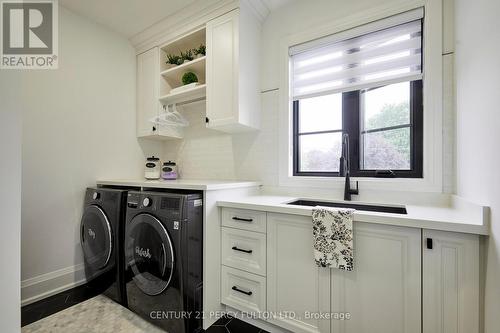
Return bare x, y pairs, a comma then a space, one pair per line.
450, 282
405, 280
296, 287
243, 291
382, 294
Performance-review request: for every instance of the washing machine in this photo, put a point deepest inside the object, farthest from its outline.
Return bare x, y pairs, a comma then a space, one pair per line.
101, 238
163, 256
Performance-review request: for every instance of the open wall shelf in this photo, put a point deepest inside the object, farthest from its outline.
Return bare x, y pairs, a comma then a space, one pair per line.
174, 75
171, 77
185, 96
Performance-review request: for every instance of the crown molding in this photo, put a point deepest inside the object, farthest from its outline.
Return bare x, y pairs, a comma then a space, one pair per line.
187, 19
191, 18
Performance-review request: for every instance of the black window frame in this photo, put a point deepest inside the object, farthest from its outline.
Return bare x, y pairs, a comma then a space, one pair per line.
351, 112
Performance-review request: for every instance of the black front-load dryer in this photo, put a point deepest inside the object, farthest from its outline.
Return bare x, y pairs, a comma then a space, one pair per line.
163, 256
101, 237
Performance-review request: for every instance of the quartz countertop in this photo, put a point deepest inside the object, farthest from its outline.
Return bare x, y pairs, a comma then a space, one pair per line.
185, 184
459, 216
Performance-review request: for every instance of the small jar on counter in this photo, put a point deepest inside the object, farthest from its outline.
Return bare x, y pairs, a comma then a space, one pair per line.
152, 170
169, 171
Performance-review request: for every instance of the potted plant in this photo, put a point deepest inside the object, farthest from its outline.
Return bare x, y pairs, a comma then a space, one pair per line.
189, 77
173, 60
187, 56
199, 51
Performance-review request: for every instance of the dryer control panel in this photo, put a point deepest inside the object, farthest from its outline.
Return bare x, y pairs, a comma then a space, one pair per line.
167, 205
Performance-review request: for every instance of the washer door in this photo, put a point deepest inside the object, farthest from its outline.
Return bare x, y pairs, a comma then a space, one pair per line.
96, 237
149, 254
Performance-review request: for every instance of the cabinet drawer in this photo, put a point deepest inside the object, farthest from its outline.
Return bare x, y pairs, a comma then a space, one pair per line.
245, 219
244, 250
243, 291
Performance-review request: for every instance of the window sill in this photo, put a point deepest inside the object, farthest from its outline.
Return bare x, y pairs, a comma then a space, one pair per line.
370, 183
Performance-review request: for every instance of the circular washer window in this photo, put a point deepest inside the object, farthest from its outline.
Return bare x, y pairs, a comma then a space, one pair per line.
96, 237
149, 254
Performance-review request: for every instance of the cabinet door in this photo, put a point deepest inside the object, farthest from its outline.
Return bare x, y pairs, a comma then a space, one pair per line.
222, 72
296, 286
147, 91
450, 282
382, 293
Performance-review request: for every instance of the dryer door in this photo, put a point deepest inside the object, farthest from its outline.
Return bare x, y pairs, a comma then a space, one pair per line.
149, 254
96, 237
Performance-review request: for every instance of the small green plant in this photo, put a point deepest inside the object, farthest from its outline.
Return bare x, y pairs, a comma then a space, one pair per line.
200, 50
173, 59
189, 77
188, 55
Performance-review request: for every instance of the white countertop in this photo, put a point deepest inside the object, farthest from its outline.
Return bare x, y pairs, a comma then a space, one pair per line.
458, 216
185, 184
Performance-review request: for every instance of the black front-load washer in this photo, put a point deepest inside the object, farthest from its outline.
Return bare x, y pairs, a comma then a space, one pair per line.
101, 237
163, 257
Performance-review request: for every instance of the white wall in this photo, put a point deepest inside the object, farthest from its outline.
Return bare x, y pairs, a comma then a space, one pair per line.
209, 154
10, 210
477, 71
78, 126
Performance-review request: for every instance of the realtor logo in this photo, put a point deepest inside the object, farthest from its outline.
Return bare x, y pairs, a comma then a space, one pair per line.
29, 34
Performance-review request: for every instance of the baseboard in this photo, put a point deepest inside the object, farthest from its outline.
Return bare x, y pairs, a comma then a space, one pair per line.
45, 285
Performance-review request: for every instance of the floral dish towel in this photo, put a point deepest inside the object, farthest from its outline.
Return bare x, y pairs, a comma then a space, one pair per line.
333, 238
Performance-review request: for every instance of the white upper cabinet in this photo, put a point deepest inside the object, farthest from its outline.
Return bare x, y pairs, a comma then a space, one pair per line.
450, 282
147, 92
382, 293
232, 73
148, 106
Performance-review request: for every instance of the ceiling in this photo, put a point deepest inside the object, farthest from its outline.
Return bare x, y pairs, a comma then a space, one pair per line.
129, 17
275, 4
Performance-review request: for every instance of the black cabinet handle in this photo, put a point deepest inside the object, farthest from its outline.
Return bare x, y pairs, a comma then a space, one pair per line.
241, 250
154, 128
428, 242
242, 291
242, 219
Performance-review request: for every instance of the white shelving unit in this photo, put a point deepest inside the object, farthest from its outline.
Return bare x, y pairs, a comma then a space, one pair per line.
174, 74
227, 77
171, 78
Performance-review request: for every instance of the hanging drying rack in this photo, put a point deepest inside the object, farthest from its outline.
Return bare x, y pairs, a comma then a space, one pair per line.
170, 117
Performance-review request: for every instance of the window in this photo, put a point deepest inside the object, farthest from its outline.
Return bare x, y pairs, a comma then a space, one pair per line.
318, 138
368, 87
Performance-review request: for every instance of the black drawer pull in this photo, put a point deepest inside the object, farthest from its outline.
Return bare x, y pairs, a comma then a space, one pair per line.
249, 293
241, 250
236, 218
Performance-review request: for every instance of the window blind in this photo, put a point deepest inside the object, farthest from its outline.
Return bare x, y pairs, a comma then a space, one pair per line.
331, 64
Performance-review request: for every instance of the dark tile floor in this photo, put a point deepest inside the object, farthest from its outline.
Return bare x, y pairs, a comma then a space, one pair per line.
50, 305
229, 324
